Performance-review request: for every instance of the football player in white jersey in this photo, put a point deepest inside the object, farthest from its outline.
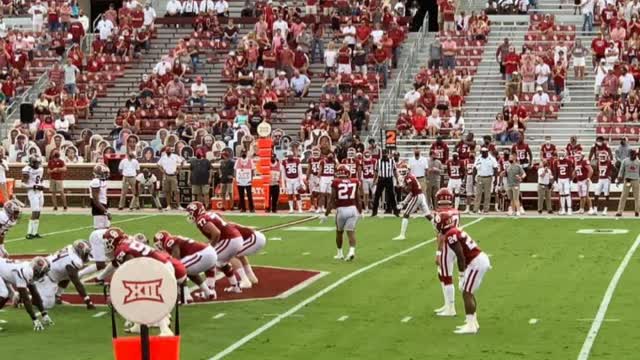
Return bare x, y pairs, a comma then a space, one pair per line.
32, 176
65, 264
101, 218
22, 277
9, 215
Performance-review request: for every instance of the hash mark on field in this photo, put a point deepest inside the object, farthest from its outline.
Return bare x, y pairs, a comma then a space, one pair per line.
274, 315
533, 321
3, 321
406, 319
99, 314
219, 316
604, 305
534, 255
580, 256
343, 318
275, 239
306, 253
273, 322
262, 253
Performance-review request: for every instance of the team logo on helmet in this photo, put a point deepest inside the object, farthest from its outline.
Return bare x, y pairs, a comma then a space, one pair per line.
40, 266
195, 209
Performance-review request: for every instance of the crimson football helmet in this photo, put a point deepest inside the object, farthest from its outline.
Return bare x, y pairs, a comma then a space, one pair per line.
194, 210
112, 238
367, 154
342, 171
579, 156
444, 198
603, 156
403, 169
159, 238
562, 154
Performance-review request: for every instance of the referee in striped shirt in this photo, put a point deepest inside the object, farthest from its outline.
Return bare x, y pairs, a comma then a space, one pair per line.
385, 173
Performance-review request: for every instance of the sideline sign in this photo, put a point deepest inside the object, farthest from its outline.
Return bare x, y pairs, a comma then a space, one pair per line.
144, 290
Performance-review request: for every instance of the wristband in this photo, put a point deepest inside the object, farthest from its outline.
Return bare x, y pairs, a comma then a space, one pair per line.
438, 253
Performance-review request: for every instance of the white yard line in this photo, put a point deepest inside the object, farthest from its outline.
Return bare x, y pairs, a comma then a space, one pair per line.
219, 316
406, 319
86, 227
238, 344
605, 320
343, 318
99, 314
604, 305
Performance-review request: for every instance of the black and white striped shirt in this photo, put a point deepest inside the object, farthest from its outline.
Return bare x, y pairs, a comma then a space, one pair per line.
386, 168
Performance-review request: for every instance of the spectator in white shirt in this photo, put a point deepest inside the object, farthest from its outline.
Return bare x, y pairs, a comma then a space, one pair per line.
222, 8
37, 12
412, 96
418, 167
456, 122
542, 74
206, 5
149, 16
174, 8
163, 67
129, 168
541, 99
282, 25
199, 93
349, 34
300, 84
105, 28
62, 127
377, 33
627, 83
189, 8
434, 123
560, 51
330, 55
131, 5
169, 164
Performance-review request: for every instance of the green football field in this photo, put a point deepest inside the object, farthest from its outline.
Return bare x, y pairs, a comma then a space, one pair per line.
553, 283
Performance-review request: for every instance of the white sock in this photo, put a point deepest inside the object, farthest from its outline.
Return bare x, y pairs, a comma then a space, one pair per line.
603, 209
352, 250
444, 293
456, 202
242, 274
299, 205
88, 270
232, 280
291, 205
205, 290
403, 227
340, 253
568, 203
36, 224
2, 250
470, 319
60, 291
30, 227
211, 282
449, 295
248, 270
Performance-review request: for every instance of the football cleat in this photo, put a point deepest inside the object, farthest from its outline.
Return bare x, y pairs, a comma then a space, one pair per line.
592, 211
245, 284
339, 257
604, 212
467, 329
350, 257
569, 212
399, 237
448, 311
561, 212
233, 289
440, 309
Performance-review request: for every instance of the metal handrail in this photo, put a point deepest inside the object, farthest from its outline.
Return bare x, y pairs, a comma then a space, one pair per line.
395, 90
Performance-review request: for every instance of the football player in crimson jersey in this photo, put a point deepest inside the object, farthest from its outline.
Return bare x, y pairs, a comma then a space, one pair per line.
573, 147
472, 265
345, 195
368, 174
547, 150
600, 146
197, 257
445, 218
352, 164
455, 170
605, 172
562, 172
292, 175
328, 167
469, 183
313, 177
415, 200
582, 173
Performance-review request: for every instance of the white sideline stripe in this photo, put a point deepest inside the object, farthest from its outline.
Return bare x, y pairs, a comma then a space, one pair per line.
406, 319
605, 320
343, 318
87, 227
219, 315
318, 295
99, 314
604, 305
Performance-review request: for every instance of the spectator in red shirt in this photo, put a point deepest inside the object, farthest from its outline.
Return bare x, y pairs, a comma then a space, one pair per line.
77, 31
599, 45
381, 59
419, 122
57, 173
512, 63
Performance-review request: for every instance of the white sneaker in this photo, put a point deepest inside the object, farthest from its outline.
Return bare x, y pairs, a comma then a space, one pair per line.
350, 257
569, 212
461, 326
317, 211
339, 257
448, 311
521, 210
604, 212
299, 211
561, 212
290, 211
467, 329
180, 208
245, 284
592, 211
440, 309
509, 212
233, 289
518, 213
581, 211
399, 237
466, 211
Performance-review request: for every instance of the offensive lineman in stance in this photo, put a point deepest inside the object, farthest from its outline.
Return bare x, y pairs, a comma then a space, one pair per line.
413, 201
345, 195
446, 218
9, 215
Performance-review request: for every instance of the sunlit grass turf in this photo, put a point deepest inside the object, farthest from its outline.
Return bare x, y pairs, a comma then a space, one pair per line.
542, 269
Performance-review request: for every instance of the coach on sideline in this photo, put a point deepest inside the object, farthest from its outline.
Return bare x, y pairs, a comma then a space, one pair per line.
486, 167
630, 174
385, 172
129, 168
